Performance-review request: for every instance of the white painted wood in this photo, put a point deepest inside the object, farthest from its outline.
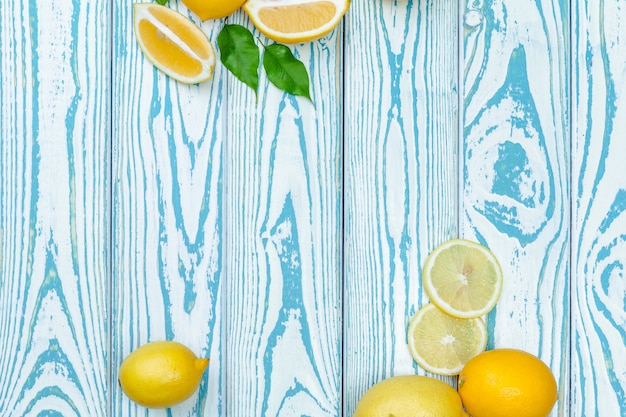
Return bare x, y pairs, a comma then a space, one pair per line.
400, 175
284, 239
515, 190
599, 210
282, 254
167, 264
54, 170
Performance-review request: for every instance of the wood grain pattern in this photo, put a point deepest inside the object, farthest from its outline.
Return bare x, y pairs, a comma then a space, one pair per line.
167, 216
400, 176
283, 242
284, 239
516, 181
599, 210
54, 168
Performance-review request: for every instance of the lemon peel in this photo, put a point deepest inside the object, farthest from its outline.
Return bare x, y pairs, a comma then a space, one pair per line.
213, 9
410, 395
161, 374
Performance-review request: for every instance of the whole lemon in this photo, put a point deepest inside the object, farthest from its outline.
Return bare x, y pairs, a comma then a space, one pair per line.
213, 9
161, 374
410, 396
505, 383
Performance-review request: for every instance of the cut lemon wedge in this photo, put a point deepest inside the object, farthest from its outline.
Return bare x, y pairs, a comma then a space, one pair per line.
442, 344
173, 43
462, 278
296, 21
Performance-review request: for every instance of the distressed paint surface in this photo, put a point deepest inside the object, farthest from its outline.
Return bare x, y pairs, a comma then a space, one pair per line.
167, 218
599, 210
54, 174
284, 238
400, 176
516, 191
282, 230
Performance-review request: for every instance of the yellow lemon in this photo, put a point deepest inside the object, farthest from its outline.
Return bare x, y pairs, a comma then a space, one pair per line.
410, 396
463, 278
173, 43
213, 9
505, 383
161, 374
295, 21
443, 344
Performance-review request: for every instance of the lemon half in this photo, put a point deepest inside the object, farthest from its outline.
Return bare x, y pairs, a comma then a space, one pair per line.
295, 21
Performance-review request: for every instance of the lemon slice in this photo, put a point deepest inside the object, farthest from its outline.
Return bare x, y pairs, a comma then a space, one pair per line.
295, 21
173, 43
462, 278
443, 344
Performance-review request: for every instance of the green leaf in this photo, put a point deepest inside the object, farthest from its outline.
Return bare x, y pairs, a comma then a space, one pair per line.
240, 54
162, 2
285, 71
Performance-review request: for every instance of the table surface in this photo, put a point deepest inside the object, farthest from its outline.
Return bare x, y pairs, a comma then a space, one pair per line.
284, 238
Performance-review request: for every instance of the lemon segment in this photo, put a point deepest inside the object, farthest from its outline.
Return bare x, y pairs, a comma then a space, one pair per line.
161, 374
295, 21
173, 43
462, 278
213, 9
443, 344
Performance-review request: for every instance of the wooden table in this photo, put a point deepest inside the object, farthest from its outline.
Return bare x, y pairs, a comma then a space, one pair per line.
285, 239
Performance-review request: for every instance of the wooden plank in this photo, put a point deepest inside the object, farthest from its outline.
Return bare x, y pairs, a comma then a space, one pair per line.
167, 214
599, 210
515, 192
283, 241
400, 176
54, 165
242, 259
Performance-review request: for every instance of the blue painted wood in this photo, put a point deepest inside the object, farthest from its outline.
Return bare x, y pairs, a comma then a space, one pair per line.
54, 170
282, 217
598, 210
515, 190
400, 175
285, 239
167, 218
